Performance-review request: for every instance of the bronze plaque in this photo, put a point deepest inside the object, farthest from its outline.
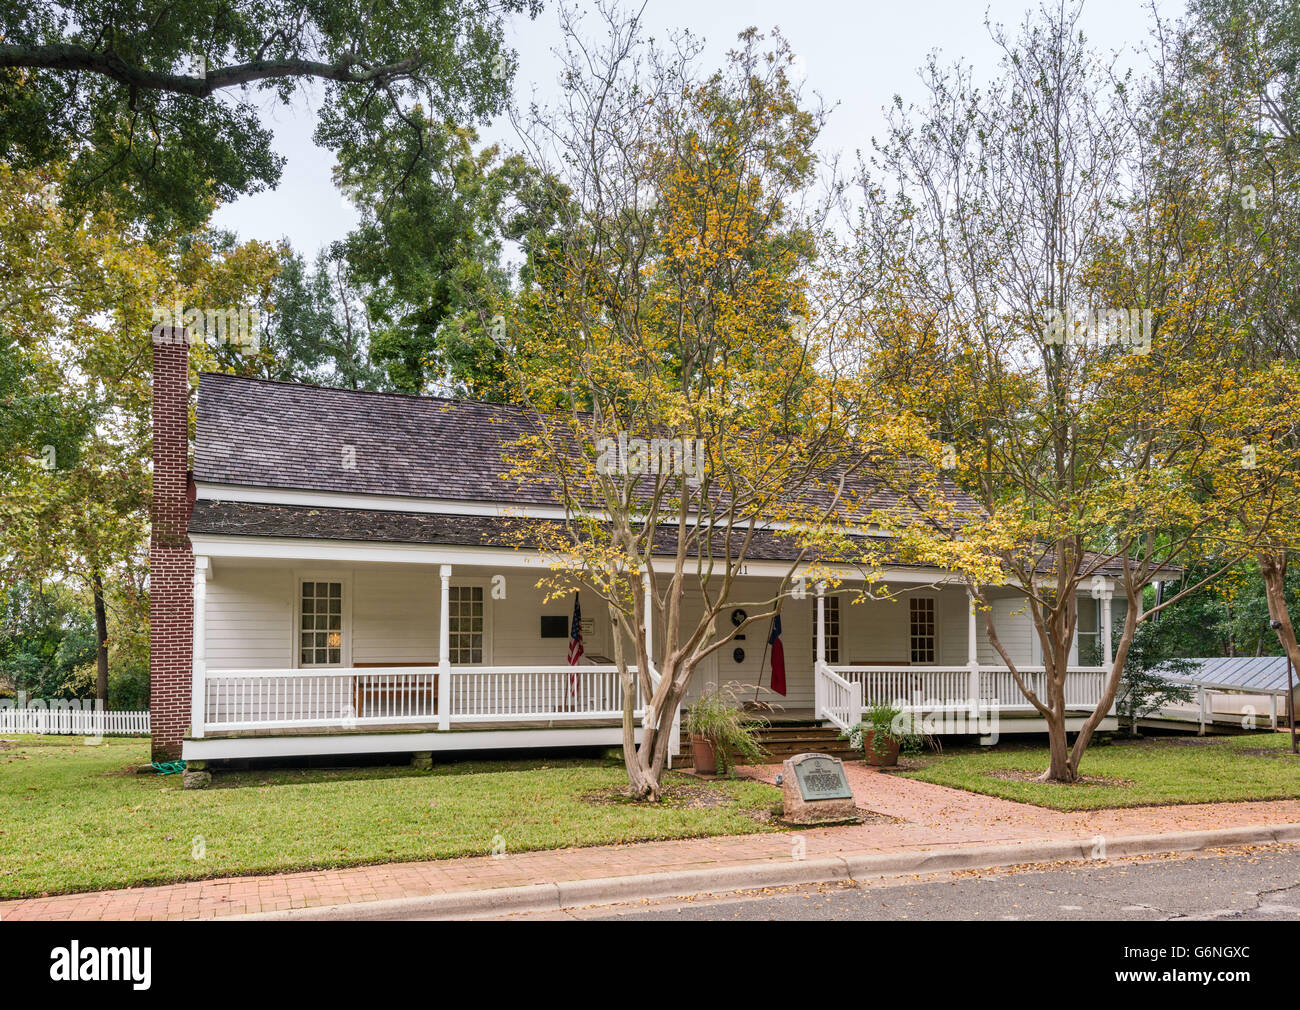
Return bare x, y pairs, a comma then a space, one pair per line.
821, 777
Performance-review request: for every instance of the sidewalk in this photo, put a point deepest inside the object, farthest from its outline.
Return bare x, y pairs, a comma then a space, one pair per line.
927, 818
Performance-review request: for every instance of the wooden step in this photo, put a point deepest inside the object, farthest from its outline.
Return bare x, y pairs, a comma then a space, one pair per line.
784, 741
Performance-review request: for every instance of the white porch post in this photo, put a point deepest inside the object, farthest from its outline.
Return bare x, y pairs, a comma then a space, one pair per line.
973, 653
648, 610
1272, 710
199, 668
444, 650
818, 701
1106, 649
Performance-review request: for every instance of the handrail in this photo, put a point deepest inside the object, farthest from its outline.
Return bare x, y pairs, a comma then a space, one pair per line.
841, 699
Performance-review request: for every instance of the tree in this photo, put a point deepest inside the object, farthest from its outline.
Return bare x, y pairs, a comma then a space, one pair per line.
1067, 361
1233, 89
80, 297
427, 264
675, 358
1146, 686
153, 105
45, 634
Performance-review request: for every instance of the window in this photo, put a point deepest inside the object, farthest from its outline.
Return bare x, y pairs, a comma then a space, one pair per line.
1089, 631
465, 624
922, 627
832, 629
320, 627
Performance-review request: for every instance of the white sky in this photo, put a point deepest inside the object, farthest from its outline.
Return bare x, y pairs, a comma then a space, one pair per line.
855, 54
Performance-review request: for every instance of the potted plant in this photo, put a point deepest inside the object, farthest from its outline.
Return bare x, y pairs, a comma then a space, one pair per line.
721, 730
882, 734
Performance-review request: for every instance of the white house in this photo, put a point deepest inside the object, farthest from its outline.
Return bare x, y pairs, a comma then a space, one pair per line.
352, 590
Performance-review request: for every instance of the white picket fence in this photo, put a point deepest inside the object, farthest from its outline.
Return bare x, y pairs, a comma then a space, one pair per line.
73, 722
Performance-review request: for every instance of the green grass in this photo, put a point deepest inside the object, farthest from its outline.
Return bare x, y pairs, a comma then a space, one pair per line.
1147, 772
76, 817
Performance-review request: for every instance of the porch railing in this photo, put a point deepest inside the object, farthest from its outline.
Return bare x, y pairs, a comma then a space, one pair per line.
953, 687
560, 693
355, 698
839, 700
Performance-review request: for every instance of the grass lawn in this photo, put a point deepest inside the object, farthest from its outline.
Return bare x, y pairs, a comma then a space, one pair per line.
1128, 773
75, 817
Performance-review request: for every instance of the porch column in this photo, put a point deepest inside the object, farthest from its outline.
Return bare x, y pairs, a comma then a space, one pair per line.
973, 652
1106, 650
648, 610
818, 701
444, 650
199, 664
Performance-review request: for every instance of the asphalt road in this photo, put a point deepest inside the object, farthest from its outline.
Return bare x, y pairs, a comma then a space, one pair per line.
1256, 882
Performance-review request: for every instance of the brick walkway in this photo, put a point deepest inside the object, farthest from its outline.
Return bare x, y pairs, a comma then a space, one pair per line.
928, 817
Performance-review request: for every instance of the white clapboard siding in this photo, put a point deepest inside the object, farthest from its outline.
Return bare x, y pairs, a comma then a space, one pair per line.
1015, 627
395, 614
249, 617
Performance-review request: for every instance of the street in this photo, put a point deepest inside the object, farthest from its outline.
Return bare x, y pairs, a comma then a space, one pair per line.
1256, 882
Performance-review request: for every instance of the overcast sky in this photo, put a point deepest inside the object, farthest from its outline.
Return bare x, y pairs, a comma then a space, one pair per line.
855, 54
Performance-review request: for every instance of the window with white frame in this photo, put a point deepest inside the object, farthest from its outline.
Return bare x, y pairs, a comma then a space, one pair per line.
320, 624
465, 624
832, 629
1089, 631
922, 628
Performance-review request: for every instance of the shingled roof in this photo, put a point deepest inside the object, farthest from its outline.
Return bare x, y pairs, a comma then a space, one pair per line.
279, 435
257, 433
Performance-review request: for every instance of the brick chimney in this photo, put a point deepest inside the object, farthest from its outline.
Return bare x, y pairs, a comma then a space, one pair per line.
171, 561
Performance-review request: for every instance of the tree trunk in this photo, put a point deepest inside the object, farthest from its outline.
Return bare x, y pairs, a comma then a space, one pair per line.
1060, 764
101, 641
1059, 767
1272, 569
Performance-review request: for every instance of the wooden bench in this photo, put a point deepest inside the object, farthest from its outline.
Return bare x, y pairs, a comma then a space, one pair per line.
370, 698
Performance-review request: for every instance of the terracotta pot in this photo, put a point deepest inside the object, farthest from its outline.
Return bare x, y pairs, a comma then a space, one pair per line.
704, 754
886, 760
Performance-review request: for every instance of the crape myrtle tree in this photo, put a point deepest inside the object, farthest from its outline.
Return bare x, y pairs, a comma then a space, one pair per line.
153, 105
1032, 304
677, 356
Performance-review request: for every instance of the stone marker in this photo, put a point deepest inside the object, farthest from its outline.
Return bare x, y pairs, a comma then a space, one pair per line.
814, 788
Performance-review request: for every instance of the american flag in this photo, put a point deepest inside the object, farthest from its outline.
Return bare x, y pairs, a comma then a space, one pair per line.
575, 634
575, 643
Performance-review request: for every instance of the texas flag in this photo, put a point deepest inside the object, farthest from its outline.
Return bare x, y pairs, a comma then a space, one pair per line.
778, 656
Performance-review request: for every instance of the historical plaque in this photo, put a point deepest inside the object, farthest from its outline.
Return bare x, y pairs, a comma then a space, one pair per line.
821, 777
814, 788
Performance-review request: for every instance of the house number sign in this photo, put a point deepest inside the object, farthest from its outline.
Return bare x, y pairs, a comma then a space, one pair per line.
821, 778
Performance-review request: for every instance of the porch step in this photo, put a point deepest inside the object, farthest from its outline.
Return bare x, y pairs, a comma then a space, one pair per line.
783, 741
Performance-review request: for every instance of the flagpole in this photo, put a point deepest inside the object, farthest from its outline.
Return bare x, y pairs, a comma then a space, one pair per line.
767, 642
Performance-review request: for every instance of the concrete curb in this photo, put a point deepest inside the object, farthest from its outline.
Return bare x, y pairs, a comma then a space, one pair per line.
557, 896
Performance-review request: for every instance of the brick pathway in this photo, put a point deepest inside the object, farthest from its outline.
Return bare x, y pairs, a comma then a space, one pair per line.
928, 817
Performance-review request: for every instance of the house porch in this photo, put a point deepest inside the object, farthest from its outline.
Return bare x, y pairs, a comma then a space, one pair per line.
308, 649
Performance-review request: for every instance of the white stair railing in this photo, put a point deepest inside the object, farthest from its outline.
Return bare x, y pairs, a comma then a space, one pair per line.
840, 701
